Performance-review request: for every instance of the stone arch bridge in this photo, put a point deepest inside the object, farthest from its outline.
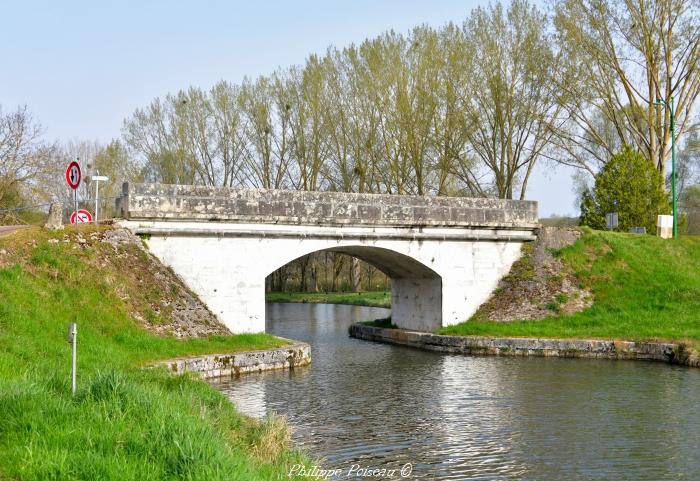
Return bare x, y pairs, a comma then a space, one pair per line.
444, 255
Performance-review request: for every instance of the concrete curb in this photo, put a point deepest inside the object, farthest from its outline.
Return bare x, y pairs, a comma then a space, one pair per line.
234, 364
493, 346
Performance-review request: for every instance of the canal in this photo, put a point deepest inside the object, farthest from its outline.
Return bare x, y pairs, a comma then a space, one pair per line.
486, 418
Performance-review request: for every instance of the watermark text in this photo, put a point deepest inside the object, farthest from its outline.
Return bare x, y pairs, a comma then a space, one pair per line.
354, 471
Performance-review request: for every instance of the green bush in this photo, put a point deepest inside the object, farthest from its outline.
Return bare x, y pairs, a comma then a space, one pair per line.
631, 186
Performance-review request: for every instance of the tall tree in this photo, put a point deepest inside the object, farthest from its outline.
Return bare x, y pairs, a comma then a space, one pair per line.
266, 132
623, 55
307, 96
157, 135
510, 100
450, 126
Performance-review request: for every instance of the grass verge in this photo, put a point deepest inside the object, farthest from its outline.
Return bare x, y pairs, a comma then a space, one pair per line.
371, 299
125, 423
645, 288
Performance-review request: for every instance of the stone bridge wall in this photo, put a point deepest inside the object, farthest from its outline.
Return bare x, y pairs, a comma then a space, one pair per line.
218, 204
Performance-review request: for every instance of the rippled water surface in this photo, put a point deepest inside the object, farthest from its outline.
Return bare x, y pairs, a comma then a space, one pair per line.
458, 417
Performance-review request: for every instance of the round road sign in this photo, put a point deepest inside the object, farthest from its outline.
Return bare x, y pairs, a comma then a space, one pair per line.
83, 217
73, 175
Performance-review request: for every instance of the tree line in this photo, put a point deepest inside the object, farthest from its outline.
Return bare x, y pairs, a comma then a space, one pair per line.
460, 110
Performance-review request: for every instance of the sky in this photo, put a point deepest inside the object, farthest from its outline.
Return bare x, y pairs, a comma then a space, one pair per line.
82, 67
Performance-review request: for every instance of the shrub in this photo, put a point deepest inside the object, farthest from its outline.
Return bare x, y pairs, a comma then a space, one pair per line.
631, 186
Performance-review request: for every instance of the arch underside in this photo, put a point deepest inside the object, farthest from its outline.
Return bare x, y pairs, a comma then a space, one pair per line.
394, 264
416, 289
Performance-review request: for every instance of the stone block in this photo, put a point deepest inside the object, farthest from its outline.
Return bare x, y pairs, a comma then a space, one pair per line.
55, 218
312, 208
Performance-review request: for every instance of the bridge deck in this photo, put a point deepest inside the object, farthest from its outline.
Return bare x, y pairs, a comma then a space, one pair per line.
216, 204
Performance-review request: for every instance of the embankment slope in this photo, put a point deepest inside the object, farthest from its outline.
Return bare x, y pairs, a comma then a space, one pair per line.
643, 289
125, 423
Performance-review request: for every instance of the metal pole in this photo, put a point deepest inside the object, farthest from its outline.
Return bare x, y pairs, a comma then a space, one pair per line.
75, 196
673, 170
74, 384
97, 196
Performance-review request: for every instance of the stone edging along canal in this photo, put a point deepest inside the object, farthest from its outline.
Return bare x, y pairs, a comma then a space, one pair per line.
231, 365
495, 346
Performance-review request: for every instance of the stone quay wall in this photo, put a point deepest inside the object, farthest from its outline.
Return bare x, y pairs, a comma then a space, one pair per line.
493, 346
190, 202
232, 365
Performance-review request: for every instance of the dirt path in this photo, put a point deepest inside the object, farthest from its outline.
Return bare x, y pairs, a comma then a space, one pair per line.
9, 229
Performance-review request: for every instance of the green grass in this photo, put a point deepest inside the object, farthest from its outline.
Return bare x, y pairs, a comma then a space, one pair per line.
126, 422
371, 299
645, 288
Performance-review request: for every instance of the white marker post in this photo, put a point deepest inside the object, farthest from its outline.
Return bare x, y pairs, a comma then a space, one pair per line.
73, 339
97, 179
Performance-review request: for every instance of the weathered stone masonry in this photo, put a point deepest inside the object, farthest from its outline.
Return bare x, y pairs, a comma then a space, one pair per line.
231, 365
444, 255
672, 353
189, 202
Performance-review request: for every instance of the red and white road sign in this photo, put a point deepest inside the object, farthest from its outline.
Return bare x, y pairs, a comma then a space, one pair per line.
83, 217
73, 175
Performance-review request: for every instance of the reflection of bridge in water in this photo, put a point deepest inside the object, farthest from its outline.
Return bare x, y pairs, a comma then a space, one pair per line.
444, 255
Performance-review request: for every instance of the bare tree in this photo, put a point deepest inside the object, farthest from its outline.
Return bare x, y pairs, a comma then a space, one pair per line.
622, 56
153, 134
24, 156
266, 133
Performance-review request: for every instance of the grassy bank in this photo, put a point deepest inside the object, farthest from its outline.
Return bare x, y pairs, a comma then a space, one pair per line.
372, 299
125, 423
645, 288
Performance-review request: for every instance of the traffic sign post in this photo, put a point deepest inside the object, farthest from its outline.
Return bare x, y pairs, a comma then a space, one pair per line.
73, 175
81, 216
73, 178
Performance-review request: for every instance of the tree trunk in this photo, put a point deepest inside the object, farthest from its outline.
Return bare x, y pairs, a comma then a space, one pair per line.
302, 274
313, 274
356, 275
338, 264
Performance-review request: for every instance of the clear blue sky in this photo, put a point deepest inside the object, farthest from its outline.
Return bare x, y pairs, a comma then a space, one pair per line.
83, 66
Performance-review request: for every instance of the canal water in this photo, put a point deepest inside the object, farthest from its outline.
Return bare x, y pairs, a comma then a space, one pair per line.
443, 417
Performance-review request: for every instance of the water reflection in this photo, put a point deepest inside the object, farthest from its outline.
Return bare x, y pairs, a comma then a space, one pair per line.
458, 417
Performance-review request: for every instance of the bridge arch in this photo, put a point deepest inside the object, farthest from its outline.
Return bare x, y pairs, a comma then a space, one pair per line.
416, 289
391, 262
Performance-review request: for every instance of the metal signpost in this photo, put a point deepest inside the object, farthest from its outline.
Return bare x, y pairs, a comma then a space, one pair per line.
73, 339
97, 179
73, 178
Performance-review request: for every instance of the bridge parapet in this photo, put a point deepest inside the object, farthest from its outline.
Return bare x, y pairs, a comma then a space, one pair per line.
220, 204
